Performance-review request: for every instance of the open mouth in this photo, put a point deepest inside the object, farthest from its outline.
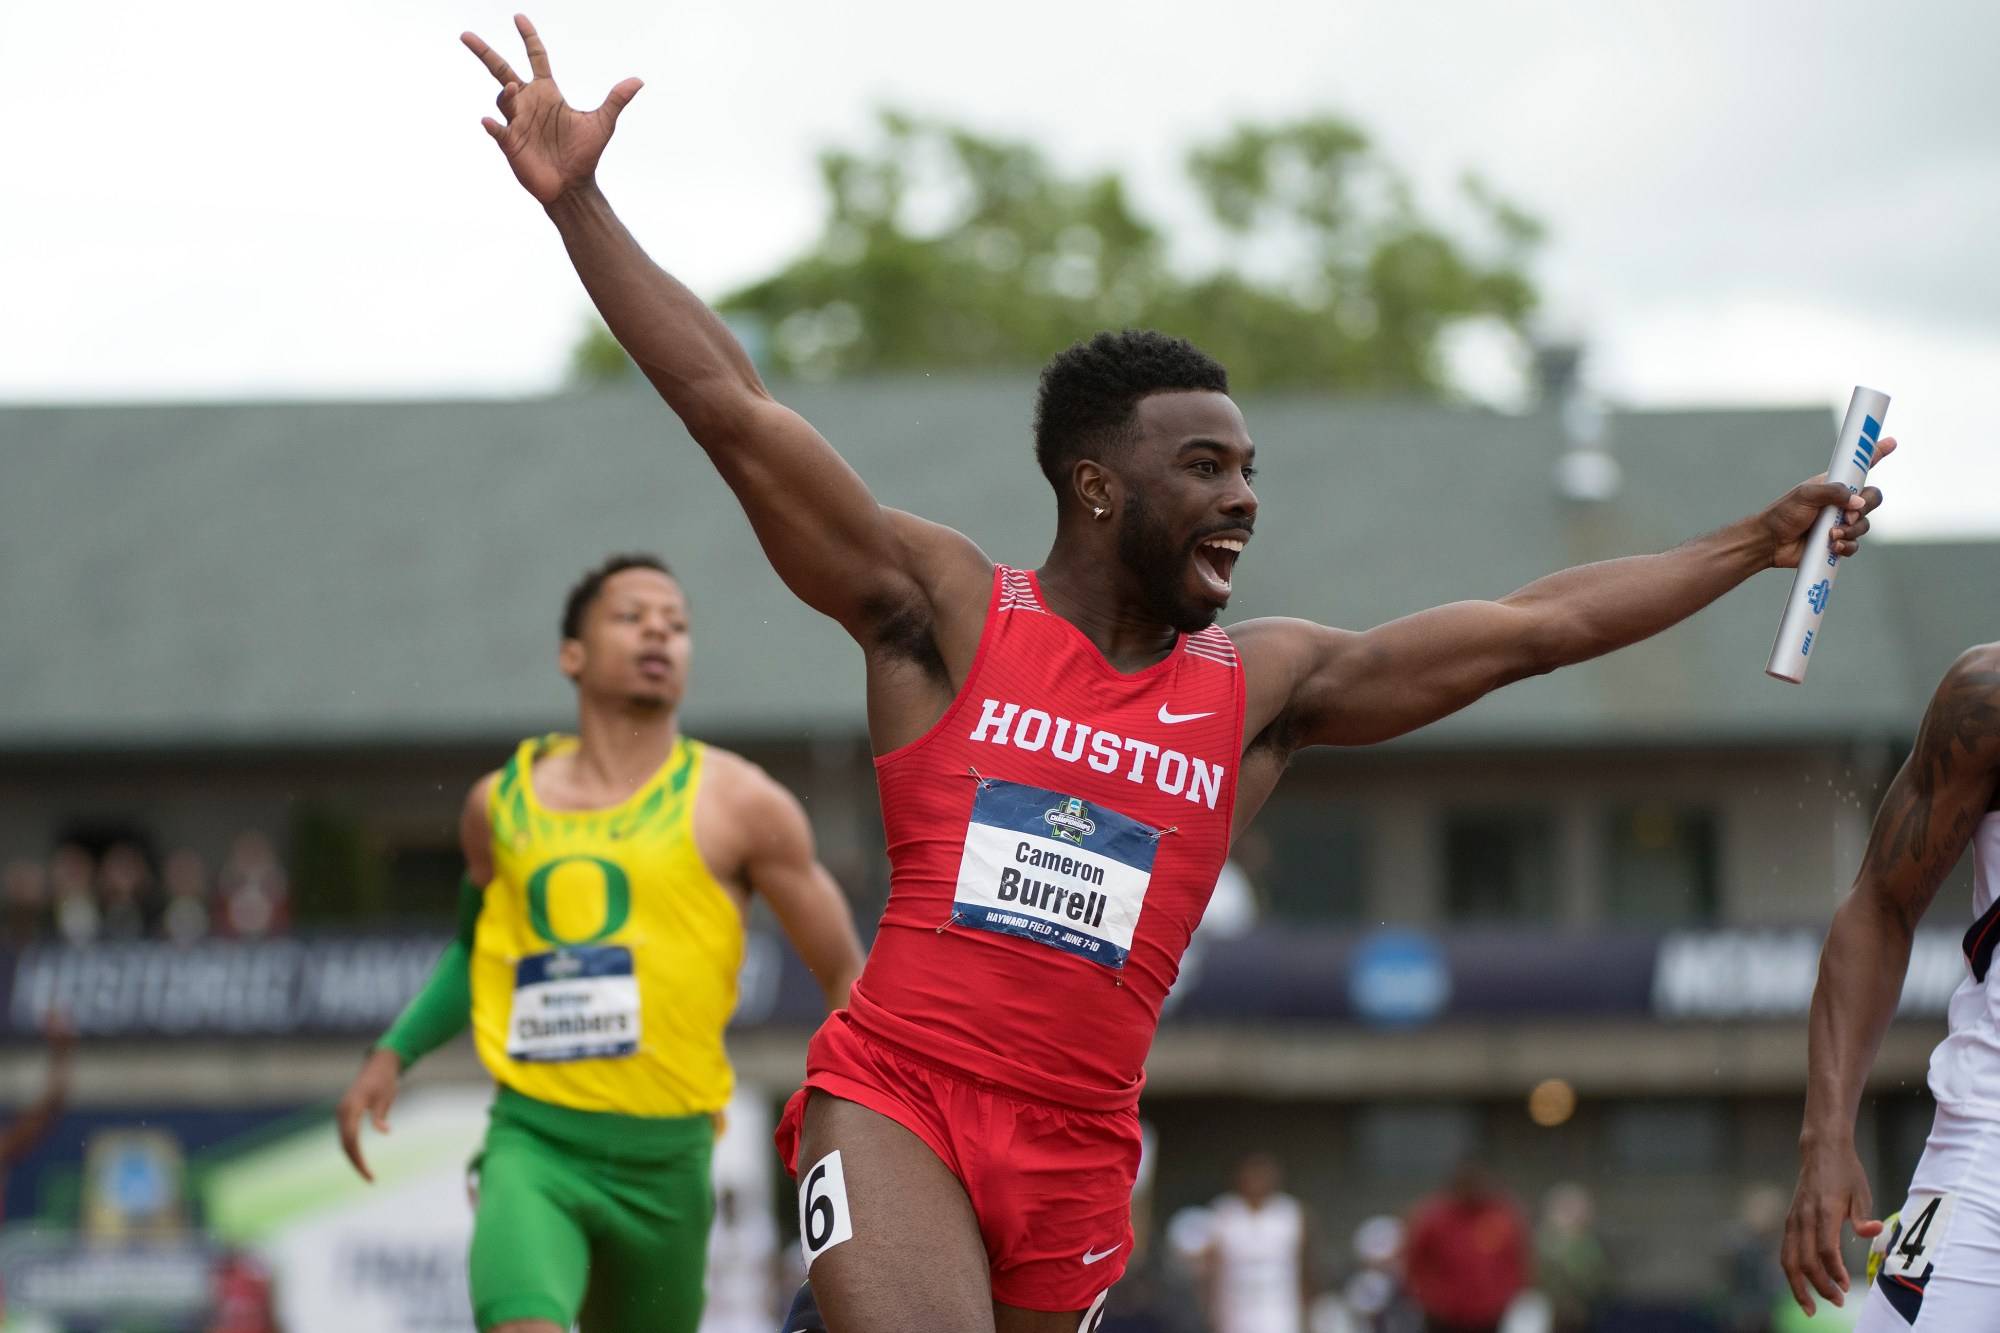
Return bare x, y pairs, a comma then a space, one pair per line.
1215, 560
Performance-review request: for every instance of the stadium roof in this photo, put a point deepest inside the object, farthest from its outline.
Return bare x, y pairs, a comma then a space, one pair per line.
392, 572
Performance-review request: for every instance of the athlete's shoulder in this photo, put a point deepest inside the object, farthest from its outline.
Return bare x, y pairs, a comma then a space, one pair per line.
943, 557
1281, 654
744, 785
1963, 718
482, 789
1969, 694
475, 827
1978, 667
527, 755
1285, 641
760, 815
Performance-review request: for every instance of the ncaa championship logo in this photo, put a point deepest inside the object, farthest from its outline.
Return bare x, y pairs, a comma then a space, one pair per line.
1069, 821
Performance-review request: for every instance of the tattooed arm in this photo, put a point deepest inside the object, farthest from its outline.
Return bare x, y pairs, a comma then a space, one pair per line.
1944, 789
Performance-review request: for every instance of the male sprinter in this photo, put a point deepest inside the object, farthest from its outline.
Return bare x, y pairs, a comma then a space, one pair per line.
1941, 1269
600, 936
1063, 756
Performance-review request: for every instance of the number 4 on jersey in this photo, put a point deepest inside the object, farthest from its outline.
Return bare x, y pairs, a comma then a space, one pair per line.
1912, 1253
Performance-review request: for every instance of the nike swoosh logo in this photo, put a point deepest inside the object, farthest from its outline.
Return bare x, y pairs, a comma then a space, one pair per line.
1170, 718
1092, 1256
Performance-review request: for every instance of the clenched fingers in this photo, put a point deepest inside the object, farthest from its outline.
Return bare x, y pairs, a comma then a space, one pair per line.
1846, 536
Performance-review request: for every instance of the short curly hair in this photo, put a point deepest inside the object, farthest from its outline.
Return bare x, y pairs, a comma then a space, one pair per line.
1090, 390
577, 604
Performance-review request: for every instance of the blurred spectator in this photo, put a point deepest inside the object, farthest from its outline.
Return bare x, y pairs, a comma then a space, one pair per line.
186, 917
29, 1128
1375, 1295
255, 899
80, 898
1231, 911
243, 1296
1142, 1194
1570, 1265
743, 1271
24, 899
1184, 1248
1143, 1302
1238, 903
1756, 1284
1232, 908
71, 874
1467, 1256
124, 892
1255, 1269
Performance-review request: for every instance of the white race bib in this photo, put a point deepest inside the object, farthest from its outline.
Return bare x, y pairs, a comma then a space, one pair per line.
1054, 869
1920, 1234
824, 1217
574, 1004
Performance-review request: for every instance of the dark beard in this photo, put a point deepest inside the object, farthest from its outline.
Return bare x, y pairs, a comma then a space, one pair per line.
1159, 564
639, 703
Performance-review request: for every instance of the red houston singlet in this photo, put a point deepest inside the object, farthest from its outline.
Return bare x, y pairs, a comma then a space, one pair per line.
1053, 841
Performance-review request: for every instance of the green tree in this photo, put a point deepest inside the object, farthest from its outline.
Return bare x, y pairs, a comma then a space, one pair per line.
946, 249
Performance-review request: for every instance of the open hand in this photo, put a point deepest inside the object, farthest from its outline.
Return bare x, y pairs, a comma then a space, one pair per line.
1833, 1192
371, 1094
552, 146
1790, 519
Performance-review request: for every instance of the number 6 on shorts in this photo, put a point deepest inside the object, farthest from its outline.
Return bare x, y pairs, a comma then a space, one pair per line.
824, 1220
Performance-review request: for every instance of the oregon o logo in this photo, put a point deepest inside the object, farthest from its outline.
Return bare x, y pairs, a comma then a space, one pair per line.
617, 900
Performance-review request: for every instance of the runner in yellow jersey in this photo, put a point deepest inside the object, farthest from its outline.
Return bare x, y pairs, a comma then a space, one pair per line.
601, 932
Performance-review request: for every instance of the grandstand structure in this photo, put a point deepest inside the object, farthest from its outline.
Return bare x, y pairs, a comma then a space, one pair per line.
324, 620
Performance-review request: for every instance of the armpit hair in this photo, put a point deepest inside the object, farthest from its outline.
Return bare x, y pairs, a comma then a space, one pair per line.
1278, 740
906, 630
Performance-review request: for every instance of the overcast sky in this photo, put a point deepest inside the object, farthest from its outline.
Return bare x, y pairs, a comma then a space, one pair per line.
1747, 203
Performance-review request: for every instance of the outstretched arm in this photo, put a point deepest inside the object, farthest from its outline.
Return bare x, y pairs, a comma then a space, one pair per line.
438, 1012
781, 866
839, 550
1945, 787
1338, 687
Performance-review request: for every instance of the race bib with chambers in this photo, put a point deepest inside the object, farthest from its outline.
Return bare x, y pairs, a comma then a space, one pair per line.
1054, 869
579, 1003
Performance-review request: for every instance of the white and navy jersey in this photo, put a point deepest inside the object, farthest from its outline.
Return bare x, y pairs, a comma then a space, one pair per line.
1965, 1068
1257, 1256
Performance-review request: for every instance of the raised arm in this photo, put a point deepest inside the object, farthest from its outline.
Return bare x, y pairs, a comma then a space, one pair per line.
839, 550
1325, 686
781, 867
1945, 788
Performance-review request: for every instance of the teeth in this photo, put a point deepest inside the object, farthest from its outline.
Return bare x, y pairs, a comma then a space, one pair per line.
1226, 543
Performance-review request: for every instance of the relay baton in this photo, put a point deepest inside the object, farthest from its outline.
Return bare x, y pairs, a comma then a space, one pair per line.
1812, 586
